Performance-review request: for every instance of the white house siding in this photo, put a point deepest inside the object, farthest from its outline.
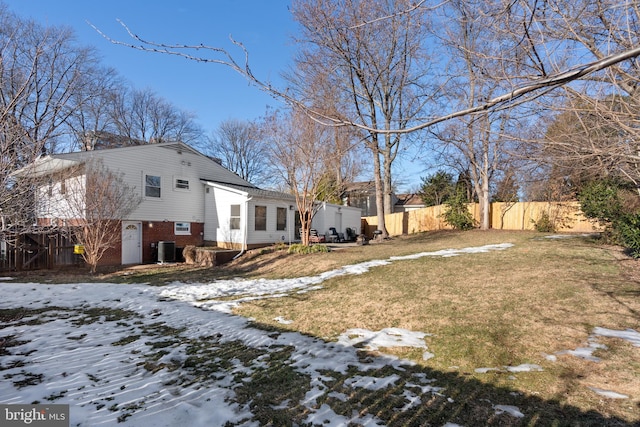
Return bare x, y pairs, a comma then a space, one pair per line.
53, 201
271, 234
218, 218
168, 161
211, 219
211, 208
337, 216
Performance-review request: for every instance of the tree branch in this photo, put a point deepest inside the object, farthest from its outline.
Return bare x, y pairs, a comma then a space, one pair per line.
511, 99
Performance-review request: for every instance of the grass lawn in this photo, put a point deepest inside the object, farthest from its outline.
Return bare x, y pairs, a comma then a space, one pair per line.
527, 305
490, 310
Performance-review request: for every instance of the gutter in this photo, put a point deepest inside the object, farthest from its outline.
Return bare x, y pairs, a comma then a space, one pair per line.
246, 228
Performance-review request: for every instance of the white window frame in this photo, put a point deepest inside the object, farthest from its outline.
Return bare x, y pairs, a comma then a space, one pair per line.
159, 187
278, 224
182, 228
233, 218
179, 183
255, 218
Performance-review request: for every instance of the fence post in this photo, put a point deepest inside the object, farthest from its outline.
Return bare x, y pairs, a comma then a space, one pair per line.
50, 253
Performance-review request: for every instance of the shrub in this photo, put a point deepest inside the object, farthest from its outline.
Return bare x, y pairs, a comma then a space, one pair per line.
627, 231
608, 201
298, 248
189, 254
544, 224
600, 200
280, 246
457, 214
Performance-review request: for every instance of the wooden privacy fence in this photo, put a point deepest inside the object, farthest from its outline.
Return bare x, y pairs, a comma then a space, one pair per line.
37, 251
566, 217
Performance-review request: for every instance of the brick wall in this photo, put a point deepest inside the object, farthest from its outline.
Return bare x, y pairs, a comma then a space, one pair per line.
154, 232
112, 256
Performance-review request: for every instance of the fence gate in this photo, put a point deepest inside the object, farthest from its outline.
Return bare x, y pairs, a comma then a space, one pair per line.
36, 252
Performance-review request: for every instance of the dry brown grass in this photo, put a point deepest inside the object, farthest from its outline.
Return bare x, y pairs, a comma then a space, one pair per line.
502, 308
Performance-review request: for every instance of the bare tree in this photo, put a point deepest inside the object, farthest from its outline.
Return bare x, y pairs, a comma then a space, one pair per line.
92, 205
483, 62
378, 67
240, 147
143, 117
39, 70
540, 33
17, 203
300, 149
594, 128
47, 64
96, 117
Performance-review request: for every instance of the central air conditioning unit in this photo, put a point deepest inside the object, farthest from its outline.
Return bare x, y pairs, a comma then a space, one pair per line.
166, 252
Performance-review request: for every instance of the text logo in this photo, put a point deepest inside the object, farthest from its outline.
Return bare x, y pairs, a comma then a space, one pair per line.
34, 415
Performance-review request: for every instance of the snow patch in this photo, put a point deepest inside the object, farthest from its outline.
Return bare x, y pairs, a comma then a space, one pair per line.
525, 367
608, 393
508, 409
282, 320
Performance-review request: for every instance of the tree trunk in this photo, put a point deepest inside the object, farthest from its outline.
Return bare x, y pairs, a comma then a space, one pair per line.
386, 185
379, 195
305, 226
485, 206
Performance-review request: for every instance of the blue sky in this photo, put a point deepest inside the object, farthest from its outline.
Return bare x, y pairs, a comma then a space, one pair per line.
214, 93
211, 91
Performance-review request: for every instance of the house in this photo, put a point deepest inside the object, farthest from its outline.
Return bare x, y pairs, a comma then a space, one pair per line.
408, 202
187, 198
363, 195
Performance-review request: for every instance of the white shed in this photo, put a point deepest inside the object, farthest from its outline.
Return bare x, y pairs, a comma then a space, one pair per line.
337, 216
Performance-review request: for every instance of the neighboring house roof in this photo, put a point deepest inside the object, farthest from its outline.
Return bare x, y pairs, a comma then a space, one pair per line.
361, 187
411, 199
102, 140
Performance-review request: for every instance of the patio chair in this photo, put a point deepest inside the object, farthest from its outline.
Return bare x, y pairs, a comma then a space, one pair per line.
314, 237
334, 236
351, 235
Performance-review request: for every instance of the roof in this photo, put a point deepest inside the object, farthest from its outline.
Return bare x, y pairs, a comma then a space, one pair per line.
253, 191
411, 199
360, 187
58, 162
43, 166
177, 146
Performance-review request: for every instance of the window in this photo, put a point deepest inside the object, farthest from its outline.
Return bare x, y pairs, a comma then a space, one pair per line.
182, 184
152, 186
182, 228
281, 217
234, 222
261, 218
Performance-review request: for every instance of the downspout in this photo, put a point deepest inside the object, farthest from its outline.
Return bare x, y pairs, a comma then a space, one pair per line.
246, 228
291, 222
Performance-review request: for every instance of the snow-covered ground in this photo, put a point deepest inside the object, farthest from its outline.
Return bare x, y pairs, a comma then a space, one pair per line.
124, 353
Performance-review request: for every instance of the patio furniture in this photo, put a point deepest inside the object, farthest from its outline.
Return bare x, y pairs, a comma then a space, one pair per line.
351, 235
314, 237
333, 236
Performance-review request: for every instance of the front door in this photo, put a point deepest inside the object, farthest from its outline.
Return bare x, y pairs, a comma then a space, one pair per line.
131, 242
